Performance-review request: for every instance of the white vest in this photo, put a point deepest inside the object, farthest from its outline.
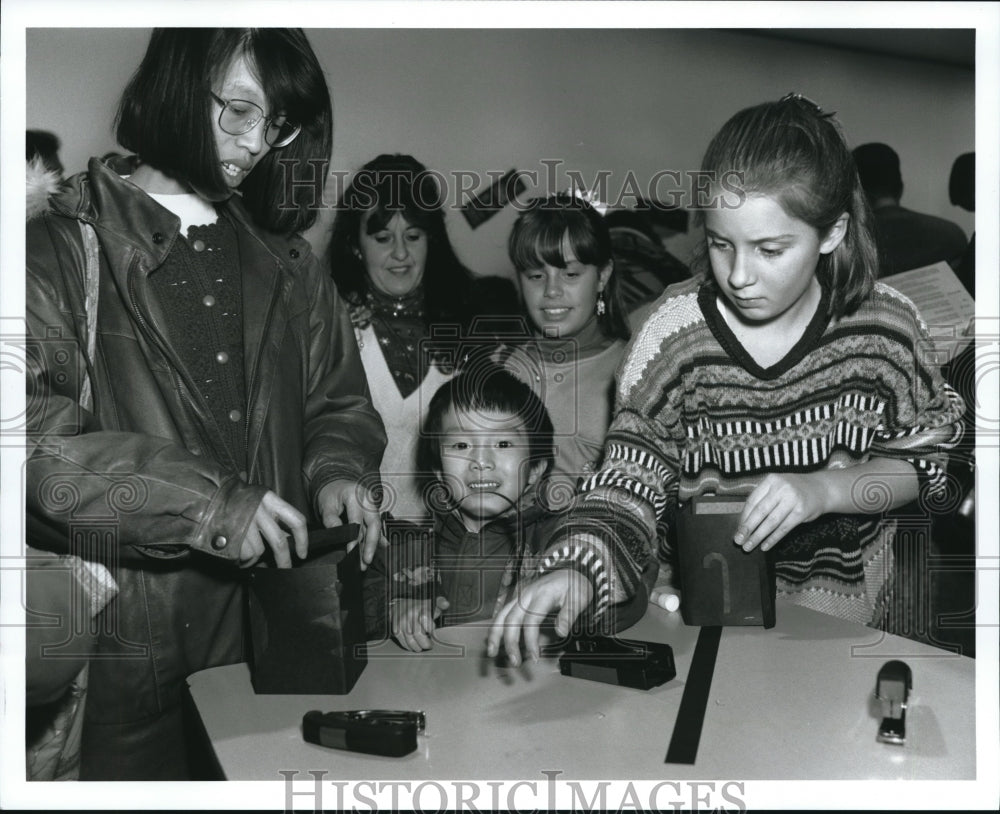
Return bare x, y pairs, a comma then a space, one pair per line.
403, 419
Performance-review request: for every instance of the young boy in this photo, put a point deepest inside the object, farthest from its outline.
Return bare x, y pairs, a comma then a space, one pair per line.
488, 440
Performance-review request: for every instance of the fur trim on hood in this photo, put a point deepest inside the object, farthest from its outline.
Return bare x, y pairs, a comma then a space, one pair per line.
42, 183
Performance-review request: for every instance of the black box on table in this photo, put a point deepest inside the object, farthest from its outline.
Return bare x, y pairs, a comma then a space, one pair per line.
721, 584
307, 622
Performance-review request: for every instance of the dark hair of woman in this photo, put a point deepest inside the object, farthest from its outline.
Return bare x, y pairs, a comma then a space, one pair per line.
165, 116
386, 186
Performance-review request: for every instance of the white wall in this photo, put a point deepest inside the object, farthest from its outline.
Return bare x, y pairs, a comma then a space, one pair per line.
636, 101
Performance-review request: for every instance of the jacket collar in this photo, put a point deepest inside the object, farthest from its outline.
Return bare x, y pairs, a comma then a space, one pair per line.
119, 210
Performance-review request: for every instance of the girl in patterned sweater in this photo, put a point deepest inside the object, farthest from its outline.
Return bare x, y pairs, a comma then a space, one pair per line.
783, 374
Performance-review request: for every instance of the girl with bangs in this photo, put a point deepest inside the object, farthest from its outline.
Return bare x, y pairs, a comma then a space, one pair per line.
561, 249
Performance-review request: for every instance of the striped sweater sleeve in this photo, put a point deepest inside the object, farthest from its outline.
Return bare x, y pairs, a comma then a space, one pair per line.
926, 419
610, 534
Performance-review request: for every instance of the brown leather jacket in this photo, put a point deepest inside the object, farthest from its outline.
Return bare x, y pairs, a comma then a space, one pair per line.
136, 481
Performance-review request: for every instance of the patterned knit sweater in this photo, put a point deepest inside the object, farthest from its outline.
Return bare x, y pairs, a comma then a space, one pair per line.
695, 415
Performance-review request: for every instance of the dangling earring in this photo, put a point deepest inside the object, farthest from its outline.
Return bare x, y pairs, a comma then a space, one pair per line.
601, 307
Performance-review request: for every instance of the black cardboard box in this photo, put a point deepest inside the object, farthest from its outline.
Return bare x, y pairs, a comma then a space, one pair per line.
721, 584
307, 622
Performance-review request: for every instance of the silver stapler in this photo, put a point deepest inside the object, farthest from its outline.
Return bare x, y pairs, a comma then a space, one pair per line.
892, 690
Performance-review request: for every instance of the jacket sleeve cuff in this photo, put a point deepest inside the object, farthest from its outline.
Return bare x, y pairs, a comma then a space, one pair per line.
221, 531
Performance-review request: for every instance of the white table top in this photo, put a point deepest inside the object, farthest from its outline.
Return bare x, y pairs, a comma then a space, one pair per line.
793, 702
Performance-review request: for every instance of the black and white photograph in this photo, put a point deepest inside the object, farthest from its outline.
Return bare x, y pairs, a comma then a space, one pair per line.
499, 406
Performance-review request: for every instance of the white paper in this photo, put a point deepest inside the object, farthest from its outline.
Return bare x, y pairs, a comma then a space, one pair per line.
945, 305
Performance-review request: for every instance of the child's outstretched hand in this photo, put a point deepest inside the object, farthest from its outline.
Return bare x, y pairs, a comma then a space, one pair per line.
413, 622
777, 505
565, 590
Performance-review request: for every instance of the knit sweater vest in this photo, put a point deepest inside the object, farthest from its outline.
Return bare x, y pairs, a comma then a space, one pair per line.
201, 293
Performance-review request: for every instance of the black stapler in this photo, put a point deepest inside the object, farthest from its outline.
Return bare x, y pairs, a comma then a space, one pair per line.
625, 662
388, 732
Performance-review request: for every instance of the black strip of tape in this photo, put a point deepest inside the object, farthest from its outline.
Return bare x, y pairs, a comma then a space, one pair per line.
690, 717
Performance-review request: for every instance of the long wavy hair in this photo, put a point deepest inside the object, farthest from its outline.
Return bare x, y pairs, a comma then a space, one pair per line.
387, 186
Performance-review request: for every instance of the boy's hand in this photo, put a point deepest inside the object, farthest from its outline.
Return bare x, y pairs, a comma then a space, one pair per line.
565, 590
413, 620
777, 505
348, 496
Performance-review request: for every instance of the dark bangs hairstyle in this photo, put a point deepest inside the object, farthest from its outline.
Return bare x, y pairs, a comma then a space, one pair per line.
536, 240
487, 387
166, 116
390, 185
794, 152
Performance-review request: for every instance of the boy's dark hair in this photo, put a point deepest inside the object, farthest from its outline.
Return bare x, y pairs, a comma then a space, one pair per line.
794, 152
485, 387
386, 186
537, 240
166, 111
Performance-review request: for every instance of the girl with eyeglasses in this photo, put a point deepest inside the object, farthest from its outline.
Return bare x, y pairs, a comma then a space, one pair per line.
197, 377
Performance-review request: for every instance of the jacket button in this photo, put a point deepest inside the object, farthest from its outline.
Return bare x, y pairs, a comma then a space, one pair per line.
235, 415
219, 542
157, 237
198, 245
222, 357
294, 254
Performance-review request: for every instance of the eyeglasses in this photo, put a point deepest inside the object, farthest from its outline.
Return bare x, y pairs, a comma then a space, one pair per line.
239, 116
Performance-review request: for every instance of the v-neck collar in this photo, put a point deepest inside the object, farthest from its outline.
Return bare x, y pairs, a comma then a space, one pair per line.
707, 295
